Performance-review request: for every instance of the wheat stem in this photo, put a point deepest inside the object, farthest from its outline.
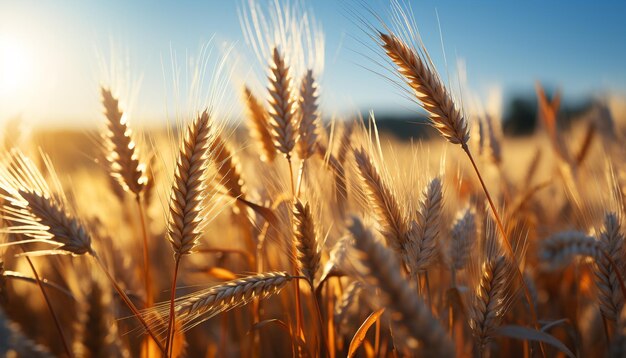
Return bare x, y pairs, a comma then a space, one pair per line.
507, 243
294, 249
171, 325
55, 318
129, 303
20, 277
146, 253
300, 178
323, 338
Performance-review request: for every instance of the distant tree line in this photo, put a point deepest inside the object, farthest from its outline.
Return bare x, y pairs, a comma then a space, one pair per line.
519, 118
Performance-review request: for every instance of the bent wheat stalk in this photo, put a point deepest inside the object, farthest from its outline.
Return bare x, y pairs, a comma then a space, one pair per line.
200, 306
435, 99
31, 209
410, 316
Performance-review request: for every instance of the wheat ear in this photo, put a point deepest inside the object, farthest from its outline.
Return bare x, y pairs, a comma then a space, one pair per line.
348, 298
122, 152
422, 246
123, 157
495, 147
492, 293
31, 209
386, 206
462, 239
259, 125
282, 106
559, 249
345, 143
97, 333
306, 241
412, 320
309, 116
432, 95
611, 242
203, 305
188, 190
187, 211
339, 173
428, 88
227, 166
337, 256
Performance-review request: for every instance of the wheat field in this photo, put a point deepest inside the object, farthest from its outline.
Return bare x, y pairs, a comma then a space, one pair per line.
291, 234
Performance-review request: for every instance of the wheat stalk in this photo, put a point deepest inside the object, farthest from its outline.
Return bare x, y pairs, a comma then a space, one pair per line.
462, 239
339, 171
32, 210
200, 306
122, 152
187, 211
611, 242
559, 249
394, 226
345, 143
434, 98
227, 166
259, 125
428, 88
309, 116
422, 247
492, 293
348, 298
282, 106
125, 166
412, 320
495, 147
306, 240
189, 187
337, 255
97, 333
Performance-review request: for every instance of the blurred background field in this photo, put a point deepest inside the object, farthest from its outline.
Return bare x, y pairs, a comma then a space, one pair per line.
541, 86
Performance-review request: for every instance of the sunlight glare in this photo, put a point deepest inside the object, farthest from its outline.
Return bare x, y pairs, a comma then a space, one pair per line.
15, 66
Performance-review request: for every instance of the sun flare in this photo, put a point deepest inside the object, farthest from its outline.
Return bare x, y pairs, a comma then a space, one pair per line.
15, 66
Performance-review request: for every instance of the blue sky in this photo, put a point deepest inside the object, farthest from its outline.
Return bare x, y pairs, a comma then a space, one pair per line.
578, 46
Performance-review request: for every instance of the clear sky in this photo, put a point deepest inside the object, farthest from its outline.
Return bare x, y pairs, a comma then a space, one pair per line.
50, 50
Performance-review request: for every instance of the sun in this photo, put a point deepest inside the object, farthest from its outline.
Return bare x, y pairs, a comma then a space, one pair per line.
15, 66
